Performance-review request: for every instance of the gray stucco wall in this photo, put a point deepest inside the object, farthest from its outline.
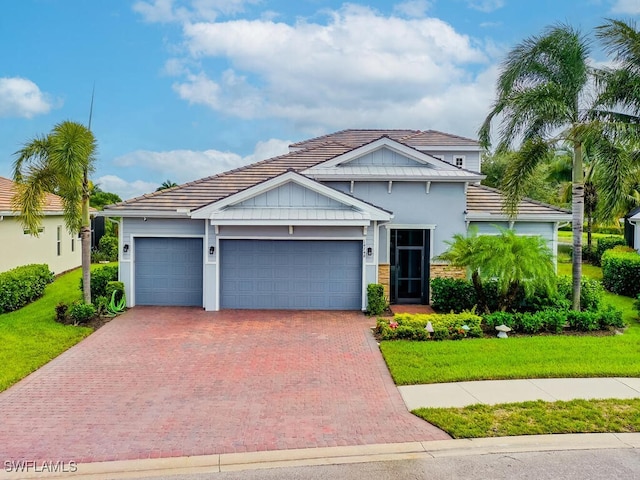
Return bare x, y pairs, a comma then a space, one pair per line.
443, 207
545, 230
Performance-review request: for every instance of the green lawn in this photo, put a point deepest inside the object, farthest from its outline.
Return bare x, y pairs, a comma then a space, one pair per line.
30, 337
520, 357
567, 236
536, 418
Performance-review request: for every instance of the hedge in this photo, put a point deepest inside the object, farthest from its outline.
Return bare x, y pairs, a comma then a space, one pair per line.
621, 272
604, 244
22, 285
100, 277
448, 326
452, 295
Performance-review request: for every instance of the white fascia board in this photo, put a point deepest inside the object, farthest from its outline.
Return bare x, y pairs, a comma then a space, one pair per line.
488, 217
399, 178
401, 148
635, 218
8, 213
449, 148
296, 223
207, 211
142, 213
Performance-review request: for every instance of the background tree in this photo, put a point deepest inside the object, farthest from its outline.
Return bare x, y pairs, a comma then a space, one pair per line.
166, 184
60, 163
98, 198
541, 99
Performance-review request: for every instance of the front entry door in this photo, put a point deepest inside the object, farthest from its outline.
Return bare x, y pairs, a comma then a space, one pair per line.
410, 266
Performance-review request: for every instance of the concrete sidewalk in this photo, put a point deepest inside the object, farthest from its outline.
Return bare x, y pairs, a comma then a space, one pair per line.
491, 392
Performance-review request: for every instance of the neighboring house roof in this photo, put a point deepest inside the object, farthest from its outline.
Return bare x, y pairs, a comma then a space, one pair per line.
438, 139
485, 203
52, 203
634, 214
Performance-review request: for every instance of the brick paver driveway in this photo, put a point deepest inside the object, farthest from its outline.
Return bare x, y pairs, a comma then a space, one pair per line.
160, 382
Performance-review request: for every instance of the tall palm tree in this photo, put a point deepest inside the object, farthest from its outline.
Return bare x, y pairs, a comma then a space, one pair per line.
541, 99
620, 94
60, 163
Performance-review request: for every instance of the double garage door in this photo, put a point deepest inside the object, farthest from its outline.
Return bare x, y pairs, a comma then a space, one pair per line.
291, 274
255, 274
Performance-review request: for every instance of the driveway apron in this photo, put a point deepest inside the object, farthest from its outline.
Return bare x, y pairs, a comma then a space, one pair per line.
164, 381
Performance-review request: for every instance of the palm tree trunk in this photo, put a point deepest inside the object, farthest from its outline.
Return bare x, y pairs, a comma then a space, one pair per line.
85, 238
481, 298
577, 210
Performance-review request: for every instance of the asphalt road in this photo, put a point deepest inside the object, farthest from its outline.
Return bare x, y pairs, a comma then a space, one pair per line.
618, 464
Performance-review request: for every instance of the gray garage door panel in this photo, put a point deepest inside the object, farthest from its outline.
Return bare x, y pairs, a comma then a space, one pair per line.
168, 271
291, 274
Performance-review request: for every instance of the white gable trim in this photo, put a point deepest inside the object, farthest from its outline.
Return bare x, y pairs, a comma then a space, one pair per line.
208, 212
385, 142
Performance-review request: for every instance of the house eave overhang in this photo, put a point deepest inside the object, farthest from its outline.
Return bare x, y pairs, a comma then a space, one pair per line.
130, 213
489, 217
9, 213
295, 223
320, 176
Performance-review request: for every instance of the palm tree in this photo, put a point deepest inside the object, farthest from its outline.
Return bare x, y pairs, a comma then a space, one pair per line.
166, 184
60, 163
541, 98
620, 94
517, 262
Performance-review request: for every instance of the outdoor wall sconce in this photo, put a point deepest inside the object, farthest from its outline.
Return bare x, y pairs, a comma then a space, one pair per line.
125, 249
212, 250
369, 251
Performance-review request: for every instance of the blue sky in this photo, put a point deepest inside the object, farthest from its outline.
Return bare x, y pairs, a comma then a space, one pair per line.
189, 88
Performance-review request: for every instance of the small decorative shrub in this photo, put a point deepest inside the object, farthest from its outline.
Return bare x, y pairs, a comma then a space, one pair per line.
552, 320
447, 326
605, 244
621, 272
583, 321
452, 295
494, 319
22, 285
81, 312
376, 302
115, 286
591, 293
61, 312
100, 277
610, 316
101, 303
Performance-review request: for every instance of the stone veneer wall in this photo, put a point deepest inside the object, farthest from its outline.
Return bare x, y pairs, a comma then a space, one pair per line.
443, 270
384, 278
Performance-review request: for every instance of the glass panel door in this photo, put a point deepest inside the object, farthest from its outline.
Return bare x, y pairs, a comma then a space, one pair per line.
409, 274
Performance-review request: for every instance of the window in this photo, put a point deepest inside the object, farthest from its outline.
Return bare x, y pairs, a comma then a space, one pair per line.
59, 239
459, 161
26, 231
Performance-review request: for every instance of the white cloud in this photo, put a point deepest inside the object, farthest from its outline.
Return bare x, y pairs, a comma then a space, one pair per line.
330, 75
124, 188
626, 7
485, 5
181, 166
165, 11
20, 97
412, 8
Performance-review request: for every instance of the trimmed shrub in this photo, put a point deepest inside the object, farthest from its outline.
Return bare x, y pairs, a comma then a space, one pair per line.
114, 286
591, 293
81, 312
445, 326
583, 321
100, 277
108, 246
604, 244
376, 303
452, 295
494, 319
610, 316
621, 272
23, 285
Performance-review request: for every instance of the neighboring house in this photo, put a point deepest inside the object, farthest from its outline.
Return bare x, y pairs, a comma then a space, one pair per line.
632, 228
54, 245
311, 228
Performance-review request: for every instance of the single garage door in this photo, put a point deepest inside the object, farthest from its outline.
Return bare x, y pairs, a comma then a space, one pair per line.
168, 271
291, 274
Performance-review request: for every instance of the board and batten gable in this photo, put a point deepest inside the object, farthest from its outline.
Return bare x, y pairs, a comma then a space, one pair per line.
383, 157
290, 195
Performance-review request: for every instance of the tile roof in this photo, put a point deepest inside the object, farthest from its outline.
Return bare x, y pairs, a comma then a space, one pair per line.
354, 138
440, 139
53, 203
202, 192
485, 200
